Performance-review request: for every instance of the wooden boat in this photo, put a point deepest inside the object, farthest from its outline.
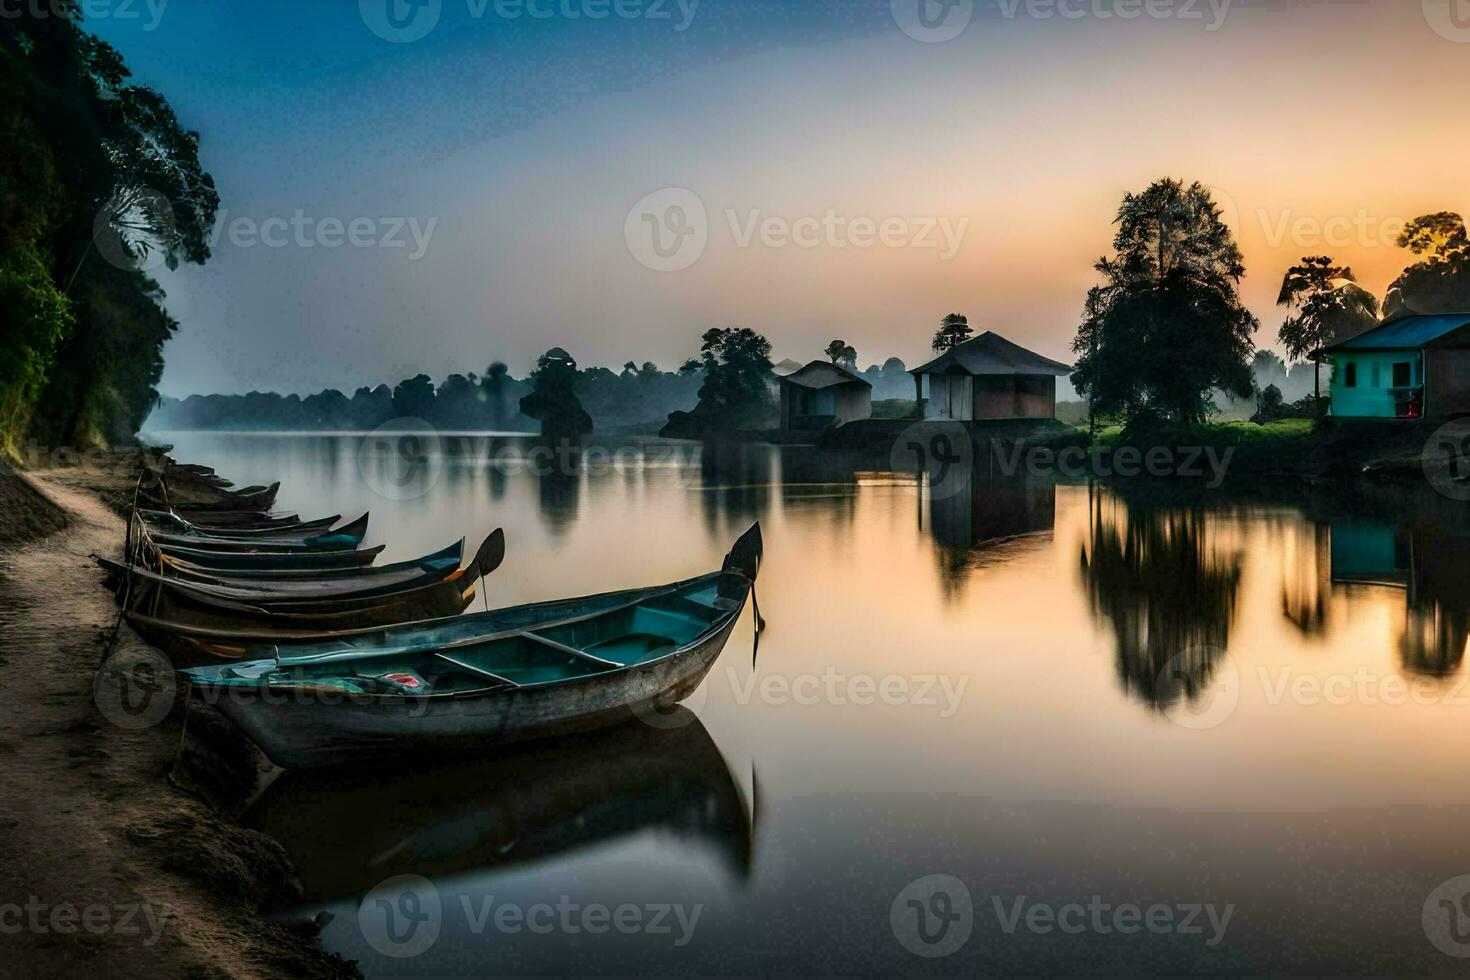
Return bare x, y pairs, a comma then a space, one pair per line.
258, 500
241, 585
217, 520
344, 538
484, 679
322, 607
235, 560
164, 519
267, 592
442, 562
524, 805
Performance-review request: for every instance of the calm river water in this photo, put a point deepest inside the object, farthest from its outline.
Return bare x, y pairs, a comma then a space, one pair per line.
1160, 728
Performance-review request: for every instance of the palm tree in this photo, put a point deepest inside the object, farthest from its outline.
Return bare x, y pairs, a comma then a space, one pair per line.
1326, 304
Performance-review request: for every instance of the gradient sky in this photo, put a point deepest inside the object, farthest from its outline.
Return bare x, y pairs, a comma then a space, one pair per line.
527, 142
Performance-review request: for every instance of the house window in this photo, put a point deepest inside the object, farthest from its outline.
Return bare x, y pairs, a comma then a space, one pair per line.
1403, 374
1350, 375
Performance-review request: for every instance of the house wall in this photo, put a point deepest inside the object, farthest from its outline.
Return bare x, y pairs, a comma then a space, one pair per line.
1015, 396
1373, 396
951, 396
853, 402
844, 403
1447, 391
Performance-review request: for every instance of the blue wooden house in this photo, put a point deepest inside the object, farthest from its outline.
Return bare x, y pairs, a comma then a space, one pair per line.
1409, 368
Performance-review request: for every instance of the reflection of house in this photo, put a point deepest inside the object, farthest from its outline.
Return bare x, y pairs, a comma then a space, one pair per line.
1411, 367
988, 377
823, 394
1369, 554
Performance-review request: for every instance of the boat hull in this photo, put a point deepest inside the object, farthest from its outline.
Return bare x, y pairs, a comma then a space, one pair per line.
299, 730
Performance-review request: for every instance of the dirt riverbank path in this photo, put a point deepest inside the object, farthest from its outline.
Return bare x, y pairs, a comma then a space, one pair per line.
86, 808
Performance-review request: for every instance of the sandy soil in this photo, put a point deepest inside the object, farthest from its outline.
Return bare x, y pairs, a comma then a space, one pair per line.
107, 867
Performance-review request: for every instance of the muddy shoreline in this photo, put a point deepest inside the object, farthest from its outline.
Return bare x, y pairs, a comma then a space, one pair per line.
115, 861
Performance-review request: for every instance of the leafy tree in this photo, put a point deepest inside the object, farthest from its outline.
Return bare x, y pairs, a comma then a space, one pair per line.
953, 330
737, 369
1440, 281
736, 391
840, 352
1269, 405
133, 188
1167, 326
553, 399
493, 384
1326, 305
414, 397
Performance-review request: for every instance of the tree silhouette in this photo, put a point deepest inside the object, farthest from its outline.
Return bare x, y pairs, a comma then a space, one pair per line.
553, 399
1440, 281
840, 352
1167, 326
736, 391
953, 330
97, 176
1327, 305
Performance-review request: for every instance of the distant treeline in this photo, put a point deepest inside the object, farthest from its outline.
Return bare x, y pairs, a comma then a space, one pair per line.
635, 399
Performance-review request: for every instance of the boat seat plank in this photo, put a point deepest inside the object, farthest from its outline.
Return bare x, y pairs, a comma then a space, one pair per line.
481, 671
570, 651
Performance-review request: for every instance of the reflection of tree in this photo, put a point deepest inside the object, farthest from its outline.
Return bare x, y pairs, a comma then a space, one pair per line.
735, 480
1306, 585
1437, 621
1169, 598
558, 486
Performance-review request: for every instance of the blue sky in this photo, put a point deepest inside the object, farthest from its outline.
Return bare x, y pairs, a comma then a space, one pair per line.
493, 168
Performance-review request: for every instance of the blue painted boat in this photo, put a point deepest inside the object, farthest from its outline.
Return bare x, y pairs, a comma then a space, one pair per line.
484, 679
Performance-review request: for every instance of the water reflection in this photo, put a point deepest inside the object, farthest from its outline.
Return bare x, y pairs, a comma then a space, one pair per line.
981, 517
736, 480
1167, 589
348, 831
1069, 606
1306, 578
